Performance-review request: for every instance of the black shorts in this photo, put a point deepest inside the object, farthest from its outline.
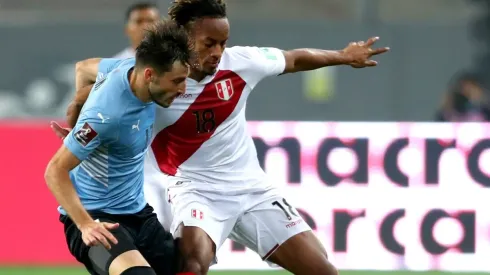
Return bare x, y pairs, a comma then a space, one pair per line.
141, 231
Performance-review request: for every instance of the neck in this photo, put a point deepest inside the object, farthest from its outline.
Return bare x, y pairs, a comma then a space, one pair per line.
138, 87
197, 75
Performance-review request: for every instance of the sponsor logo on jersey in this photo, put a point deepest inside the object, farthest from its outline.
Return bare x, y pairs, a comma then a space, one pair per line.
292, 224
99, 82
224, 88
99, 76
184, 96
85, 135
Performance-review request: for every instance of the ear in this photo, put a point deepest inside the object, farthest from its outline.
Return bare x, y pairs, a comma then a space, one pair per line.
149, 73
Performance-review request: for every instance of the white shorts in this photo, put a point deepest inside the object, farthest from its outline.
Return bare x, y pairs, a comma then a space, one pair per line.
260, 220
155, 188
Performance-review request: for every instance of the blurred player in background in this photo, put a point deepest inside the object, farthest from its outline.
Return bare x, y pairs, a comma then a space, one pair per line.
138, 17
97, 175
203, 151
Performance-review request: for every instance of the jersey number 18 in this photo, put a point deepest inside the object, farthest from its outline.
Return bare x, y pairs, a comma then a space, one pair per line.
205, 122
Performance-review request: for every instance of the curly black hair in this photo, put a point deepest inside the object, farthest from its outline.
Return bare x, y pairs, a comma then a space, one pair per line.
186, 11
164, 43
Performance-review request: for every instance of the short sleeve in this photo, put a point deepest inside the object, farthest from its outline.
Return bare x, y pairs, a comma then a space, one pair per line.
106, 65
93, 128
260, 62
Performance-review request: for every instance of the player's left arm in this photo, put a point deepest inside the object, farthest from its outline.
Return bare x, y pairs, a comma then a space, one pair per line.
93, 129
57, 176
356, 54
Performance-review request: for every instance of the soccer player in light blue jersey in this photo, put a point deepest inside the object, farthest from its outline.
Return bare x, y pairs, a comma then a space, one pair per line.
97, 174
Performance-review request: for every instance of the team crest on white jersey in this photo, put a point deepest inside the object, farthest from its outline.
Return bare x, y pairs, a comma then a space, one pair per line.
224, 88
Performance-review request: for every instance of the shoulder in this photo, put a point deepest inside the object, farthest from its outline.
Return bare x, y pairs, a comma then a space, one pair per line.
102, 123
117, 78
126, 53
239, 52
107, 65
107, 98
253, 53
253, 63
101, 114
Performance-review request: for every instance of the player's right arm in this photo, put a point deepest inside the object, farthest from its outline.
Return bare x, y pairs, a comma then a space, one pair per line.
88, 134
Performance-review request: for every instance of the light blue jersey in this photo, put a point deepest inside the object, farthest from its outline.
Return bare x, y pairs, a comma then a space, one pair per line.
111, 138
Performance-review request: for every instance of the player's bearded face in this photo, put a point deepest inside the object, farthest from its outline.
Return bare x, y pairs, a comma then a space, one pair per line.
164, 88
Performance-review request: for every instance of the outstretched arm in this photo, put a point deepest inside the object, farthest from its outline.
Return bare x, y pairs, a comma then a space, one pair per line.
356, 54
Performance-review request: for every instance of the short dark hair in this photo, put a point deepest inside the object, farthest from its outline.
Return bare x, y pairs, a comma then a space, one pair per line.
164, 43
185, 11
139, 6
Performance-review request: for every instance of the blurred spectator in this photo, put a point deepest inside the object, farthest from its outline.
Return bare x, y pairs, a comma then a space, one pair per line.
138, 17
466, 101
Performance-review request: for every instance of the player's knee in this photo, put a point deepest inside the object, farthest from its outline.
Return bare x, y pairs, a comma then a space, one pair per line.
197, 249
328, 268
139, 270
321, 266
128, 260
198, 261
195, 266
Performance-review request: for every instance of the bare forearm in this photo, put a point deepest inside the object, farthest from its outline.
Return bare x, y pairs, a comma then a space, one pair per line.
72, 113
86, 72
75, 107
62, 188
311, 59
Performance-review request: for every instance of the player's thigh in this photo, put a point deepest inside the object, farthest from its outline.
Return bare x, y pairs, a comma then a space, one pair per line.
120, 257
76, 245
158, 247
199, 231
275, 230
269, 223
200, 208
128, 260
202, 219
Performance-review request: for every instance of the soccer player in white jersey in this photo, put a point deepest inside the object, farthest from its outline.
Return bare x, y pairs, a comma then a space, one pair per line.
202, 149
138, 17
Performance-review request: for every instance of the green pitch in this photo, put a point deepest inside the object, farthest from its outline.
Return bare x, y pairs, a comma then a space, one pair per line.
78, 271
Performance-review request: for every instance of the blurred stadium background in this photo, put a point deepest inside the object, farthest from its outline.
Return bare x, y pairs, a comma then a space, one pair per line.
378, 161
